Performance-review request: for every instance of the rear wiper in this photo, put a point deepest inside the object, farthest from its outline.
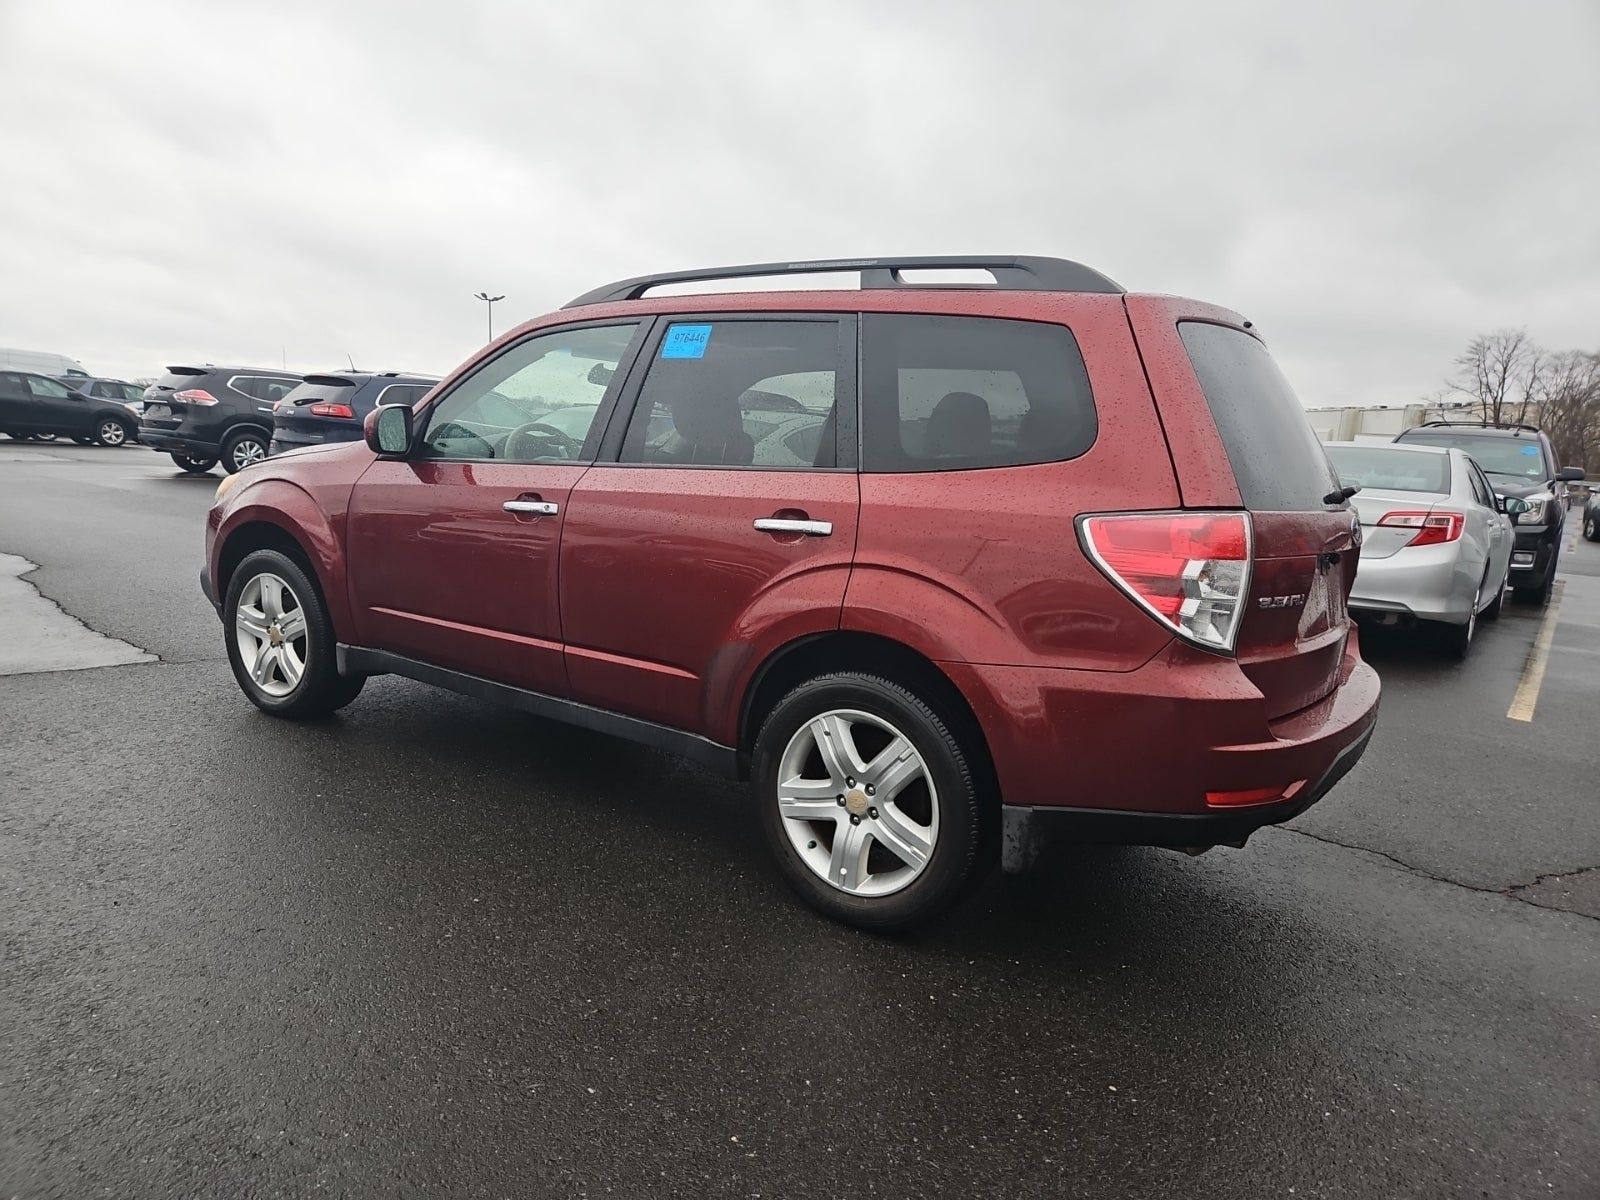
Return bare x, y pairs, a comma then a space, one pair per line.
1340, 496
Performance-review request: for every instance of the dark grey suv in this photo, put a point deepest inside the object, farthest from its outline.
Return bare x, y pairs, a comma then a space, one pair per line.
330, 407
201, 415
1519, 461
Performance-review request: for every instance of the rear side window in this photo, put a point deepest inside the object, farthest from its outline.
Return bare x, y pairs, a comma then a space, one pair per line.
263, 387
1276, 458
739, 394
953, 393
1391, 470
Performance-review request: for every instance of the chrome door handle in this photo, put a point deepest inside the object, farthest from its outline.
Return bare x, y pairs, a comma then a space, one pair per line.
540, 508
785, 525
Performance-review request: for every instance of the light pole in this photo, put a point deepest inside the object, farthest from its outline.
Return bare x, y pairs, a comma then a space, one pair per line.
489, 300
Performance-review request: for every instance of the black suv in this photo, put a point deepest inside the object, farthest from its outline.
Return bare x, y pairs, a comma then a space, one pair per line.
1521, 462
33, 405
202, 414
330, 407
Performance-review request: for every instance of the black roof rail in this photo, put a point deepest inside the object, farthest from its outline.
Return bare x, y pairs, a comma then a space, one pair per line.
1483, 424
1012, 273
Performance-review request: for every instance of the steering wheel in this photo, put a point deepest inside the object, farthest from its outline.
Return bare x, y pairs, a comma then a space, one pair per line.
538, 440
454, 431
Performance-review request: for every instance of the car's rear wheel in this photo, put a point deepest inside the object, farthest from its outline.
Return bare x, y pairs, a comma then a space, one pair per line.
868, 801
112, 432
281, 644
1492, 613
45, 437
1591, 528
243, 449
195, 466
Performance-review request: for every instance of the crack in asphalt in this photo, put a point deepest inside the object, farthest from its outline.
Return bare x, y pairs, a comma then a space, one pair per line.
1509, 892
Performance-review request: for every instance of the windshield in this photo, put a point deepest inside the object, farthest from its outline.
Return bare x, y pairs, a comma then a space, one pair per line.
1391, 470
1514, 458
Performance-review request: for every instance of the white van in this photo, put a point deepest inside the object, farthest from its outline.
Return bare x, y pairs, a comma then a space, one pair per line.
41, 363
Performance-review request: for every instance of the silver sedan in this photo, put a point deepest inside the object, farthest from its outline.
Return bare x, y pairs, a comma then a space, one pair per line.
1436, 543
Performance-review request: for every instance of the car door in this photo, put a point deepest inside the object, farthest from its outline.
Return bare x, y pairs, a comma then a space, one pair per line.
55, 408
1498, 526
720, 521
453, 550
16, 403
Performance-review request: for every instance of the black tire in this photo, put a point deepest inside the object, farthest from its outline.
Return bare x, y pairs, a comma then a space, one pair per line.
1539, 594
242, 449
45, 437
1591, 528
195, 466
82, 439
958, 855
320, 689
1492, 613
112, 432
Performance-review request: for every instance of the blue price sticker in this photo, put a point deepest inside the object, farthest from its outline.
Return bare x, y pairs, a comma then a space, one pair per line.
1531, 451
686, 341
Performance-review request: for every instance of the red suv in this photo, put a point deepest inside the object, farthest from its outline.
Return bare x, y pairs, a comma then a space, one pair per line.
933, 567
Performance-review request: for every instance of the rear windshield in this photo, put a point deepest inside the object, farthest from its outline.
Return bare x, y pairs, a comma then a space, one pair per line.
1507, 457
313, 393
1391, 470
179, 378
1276, 458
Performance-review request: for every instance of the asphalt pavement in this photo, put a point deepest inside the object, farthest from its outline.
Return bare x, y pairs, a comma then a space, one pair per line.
434, 947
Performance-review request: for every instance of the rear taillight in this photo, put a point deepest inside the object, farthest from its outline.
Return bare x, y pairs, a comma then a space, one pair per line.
1433, 529
195, 396
1191, 571
326, 408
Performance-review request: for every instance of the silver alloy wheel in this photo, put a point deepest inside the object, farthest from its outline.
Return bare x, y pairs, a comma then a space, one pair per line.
269, 629
835, 818
112, 433
248, 451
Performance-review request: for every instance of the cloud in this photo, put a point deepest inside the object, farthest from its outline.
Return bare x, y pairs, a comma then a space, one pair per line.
1372, 185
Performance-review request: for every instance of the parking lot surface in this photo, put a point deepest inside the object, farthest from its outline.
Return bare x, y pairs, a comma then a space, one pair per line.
432, 946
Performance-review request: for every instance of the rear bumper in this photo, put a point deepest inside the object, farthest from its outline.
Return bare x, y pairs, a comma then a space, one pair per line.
1432, 583
1132, 757
1176, 830
174, 442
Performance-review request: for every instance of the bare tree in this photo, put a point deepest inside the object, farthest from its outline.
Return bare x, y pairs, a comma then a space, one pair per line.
1569, 395
1501, 372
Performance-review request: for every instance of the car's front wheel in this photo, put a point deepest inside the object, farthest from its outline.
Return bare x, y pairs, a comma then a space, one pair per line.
112, 432
243, 449
869, 802
195, 466
281, 643
1591, 528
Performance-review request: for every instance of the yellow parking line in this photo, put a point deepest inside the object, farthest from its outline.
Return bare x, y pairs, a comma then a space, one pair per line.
1527, 697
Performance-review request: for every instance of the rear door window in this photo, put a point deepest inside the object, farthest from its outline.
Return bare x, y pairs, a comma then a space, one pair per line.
739, 393
403, 393
1278, 463
951, 393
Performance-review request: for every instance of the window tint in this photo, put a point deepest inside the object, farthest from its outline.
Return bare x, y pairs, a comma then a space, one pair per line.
504, 409
314, 393
1512, 457
1277, 460
43, 388
739, 394
948, 393
132, 391
403, 393
1480, 485
1391, 470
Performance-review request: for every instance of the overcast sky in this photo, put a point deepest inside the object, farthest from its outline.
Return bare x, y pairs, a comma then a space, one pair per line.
255, 183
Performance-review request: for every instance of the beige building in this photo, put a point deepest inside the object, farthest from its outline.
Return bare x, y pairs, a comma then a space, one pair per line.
1380, 424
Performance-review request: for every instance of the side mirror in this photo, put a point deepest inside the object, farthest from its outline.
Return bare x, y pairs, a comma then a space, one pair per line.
1514, 507
1570, 474
387, 430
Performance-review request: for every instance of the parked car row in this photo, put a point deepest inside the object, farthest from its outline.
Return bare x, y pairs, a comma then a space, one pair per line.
1451, 515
